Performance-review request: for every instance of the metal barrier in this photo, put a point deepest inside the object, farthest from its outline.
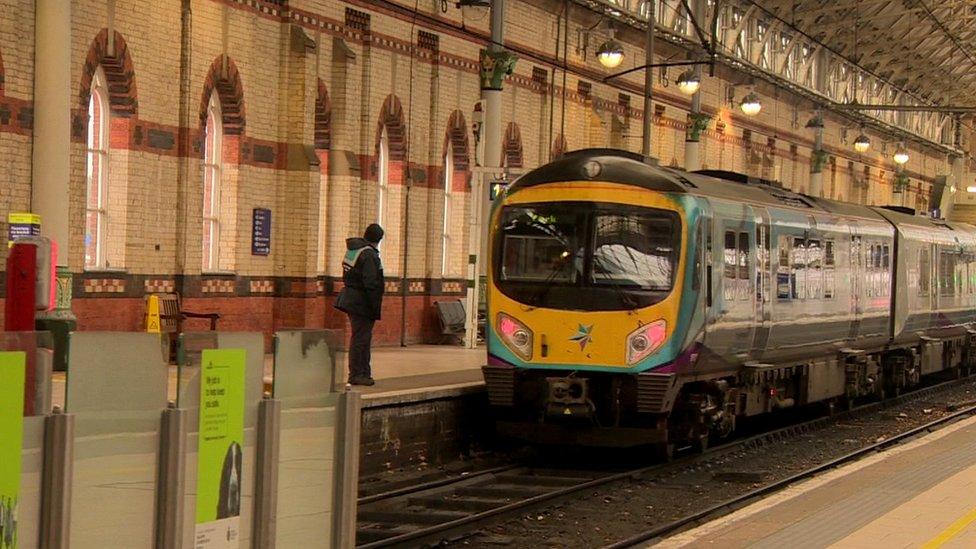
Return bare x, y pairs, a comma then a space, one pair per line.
124, 465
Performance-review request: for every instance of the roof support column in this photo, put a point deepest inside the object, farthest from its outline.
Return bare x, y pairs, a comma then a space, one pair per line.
50, 194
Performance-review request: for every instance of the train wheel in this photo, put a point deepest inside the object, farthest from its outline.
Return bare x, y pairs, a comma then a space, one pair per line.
700, 443
664, 451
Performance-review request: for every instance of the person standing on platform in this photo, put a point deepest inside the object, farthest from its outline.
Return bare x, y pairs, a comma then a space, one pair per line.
361, 299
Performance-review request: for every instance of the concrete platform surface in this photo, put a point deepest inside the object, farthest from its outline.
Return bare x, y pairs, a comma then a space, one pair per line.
921, 494
402, 374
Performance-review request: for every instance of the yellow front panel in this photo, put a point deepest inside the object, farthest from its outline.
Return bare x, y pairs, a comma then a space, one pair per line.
588, 337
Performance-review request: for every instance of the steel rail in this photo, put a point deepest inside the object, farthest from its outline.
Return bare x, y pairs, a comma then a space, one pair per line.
729, 506
750, 442
437, 483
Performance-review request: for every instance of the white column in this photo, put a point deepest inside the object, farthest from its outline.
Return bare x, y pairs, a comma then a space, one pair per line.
955, 185
52, 120
480, 202
816, 169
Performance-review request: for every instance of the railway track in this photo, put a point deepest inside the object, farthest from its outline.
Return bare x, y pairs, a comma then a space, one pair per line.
459, 507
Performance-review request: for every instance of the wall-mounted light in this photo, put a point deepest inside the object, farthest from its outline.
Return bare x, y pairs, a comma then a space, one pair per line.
750, 104
901, 155
688, 82
862, 143
610, 54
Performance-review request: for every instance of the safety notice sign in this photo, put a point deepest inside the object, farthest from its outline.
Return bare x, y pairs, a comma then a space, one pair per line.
11, 441
221, 441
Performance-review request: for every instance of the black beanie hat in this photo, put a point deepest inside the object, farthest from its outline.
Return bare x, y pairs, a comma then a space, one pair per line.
374, 233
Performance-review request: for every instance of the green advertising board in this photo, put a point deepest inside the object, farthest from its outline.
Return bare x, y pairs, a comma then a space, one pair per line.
221, 443
11, 443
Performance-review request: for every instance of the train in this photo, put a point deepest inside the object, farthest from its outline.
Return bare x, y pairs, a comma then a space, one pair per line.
633, 304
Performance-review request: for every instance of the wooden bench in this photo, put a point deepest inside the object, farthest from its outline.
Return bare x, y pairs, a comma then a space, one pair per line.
172, 316
453, 319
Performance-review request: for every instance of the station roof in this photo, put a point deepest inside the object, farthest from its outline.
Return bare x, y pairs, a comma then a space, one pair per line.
924, 46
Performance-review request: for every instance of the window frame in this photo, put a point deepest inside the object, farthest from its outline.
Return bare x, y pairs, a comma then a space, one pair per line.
447, 209
97, 145
382, 177
212, 173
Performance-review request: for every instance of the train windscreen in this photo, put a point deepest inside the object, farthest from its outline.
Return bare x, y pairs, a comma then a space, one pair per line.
624, 257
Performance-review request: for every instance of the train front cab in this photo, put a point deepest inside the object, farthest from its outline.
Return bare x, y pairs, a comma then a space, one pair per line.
587, 283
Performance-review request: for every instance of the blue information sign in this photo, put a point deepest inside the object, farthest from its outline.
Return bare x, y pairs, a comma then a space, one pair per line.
261, 232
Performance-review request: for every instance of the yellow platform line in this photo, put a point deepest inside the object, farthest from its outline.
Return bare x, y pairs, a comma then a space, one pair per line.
951, 532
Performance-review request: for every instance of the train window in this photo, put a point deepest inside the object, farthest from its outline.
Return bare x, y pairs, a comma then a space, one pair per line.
783, 278
828, 291
947, 286
743, 283
634, 250
798, 272
699, 251
885, 257
728, 282
924, 272
814, 269
542, 245
730, 254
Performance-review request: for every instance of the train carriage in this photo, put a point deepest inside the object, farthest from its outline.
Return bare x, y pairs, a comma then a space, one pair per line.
633, 304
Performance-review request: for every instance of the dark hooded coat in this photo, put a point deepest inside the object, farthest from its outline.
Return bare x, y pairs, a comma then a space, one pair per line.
362, 277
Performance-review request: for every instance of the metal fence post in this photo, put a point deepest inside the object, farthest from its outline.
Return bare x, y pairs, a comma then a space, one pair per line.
170, 483
59, 440
266, 481
346, 492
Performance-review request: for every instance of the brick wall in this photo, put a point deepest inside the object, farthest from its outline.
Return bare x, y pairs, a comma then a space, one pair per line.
306, 88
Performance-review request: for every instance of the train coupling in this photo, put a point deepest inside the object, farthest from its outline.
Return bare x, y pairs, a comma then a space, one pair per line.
569, 397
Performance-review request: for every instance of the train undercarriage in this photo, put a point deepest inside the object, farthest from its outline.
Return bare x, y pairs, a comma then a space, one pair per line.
669, 410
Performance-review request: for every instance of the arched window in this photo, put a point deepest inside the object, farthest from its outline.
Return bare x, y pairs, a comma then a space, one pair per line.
96, 210
446, 227
383, 178
211, 186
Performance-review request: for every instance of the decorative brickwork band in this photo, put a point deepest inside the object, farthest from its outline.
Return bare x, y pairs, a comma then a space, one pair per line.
457, 136
224, 79
323, 118
391, 117
122, 96
558, 147
512, 146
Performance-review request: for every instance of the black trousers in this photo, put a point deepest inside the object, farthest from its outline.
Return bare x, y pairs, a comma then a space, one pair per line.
359, 344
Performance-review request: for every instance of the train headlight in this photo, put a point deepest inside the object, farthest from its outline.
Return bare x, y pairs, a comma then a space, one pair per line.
517, 336
645, 340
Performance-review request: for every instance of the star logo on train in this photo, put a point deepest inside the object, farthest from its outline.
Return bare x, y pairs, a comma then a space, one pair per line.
583, 336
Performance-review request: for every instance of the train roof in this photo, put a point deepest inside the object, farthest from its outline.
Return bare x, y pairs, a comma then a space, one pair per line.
618, 166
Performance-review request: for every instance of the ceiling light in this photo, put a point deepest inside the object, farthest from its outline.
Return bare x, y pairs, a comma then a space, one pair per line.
901, 155
971, 189
689, 82
862, 143
610, 54
750, 104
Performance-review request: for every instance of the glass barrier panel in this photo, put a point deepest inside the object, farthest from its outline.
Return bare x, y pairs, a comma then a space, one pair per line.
31, 472
116, 389
306, 469
303, 367
41, 392
191, 348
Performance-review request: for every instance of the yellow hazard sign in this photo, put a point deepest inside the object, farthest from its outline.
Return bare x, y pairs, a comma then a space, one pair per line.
152, 314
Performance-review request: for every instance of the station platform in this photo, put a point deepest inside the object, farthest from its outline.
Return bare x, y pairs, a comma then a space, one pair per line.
402, 374
921, 494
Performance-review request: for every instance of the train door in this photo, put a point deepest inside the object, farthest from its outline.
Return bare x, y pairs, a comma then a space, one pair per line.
763, 310
857, 274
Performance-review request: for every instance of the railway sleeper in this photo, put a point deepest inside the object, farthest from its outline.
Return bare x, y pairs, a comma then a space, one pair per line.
422, 516
467, 504
496, 491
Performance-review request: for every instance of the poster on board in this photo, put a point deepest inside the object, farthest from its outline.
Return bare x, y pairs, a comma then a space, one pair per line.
11, 443
221, 442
